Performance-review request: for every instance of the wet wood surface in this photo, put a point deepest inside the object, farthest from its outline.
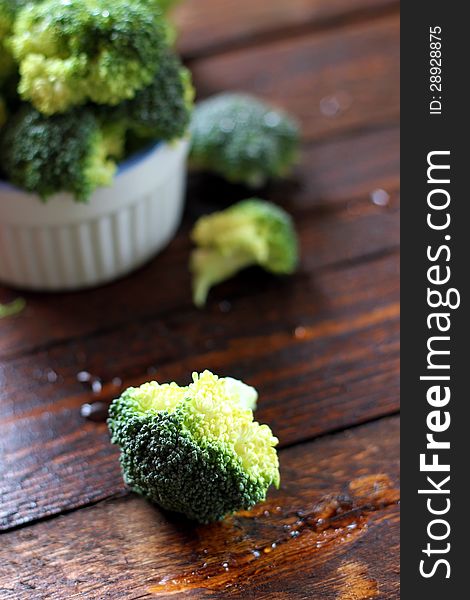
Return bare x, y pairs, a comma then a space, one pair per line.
331, 531
321, 347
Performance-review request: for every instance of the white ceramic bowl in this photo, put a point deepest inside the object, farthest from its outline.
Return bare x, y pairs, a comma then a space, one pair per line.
65, 245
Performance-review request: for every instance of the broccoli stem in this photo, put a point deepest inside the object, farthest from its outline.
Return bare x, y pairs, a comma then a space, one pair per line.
210, 267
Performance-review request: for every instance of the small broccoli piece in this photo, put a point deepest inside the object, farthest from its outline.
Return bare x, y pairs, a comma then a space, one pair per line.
79, 50
162, 110
68, 152
195, 450
13, 308
243, 139
251, 232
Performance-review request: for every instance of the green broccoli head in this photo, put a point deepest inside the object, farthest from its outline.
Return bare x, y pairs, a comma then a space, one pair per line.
195, 450
68, 152
78, 50
251, 232
243, 139
163, 109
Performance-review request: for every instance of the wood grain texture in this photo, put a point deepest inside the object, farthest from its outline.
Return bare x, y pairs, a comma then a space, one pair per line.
339, 494
322, 347
325, 355
344, 79
337, 175
207, 27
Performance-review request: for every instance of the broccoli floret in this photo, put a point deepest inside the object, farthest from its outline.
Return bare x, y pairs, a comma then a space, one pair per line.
243, 139
195, 450
79, 50
68, 152
162, 110
251, 232
12, 308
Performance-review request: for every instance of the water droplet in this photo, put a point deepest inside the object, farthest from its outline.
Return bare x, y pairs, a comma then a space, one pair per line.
380, 197
331, 106
300, 332
227, 125
83, 377
96, 386
51, 376
225, 306
272, 119
256, 553
116, 381
295, 533
96, 411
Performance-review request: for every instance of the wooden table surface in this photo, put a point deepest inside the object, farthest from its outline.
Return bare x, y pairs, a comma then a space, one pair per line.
322, 347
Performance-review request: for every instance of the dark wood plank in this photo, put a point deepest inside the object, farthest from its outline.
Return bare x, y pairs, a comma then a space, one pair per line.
324, 355
207, 26
345, 171
336, 175
330, 532
343, 79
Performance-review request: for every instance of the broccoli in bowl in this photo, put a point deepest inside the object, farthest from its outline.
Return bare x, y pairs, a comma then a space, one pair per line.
72, 152
195, 450
95, 106
86, 50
